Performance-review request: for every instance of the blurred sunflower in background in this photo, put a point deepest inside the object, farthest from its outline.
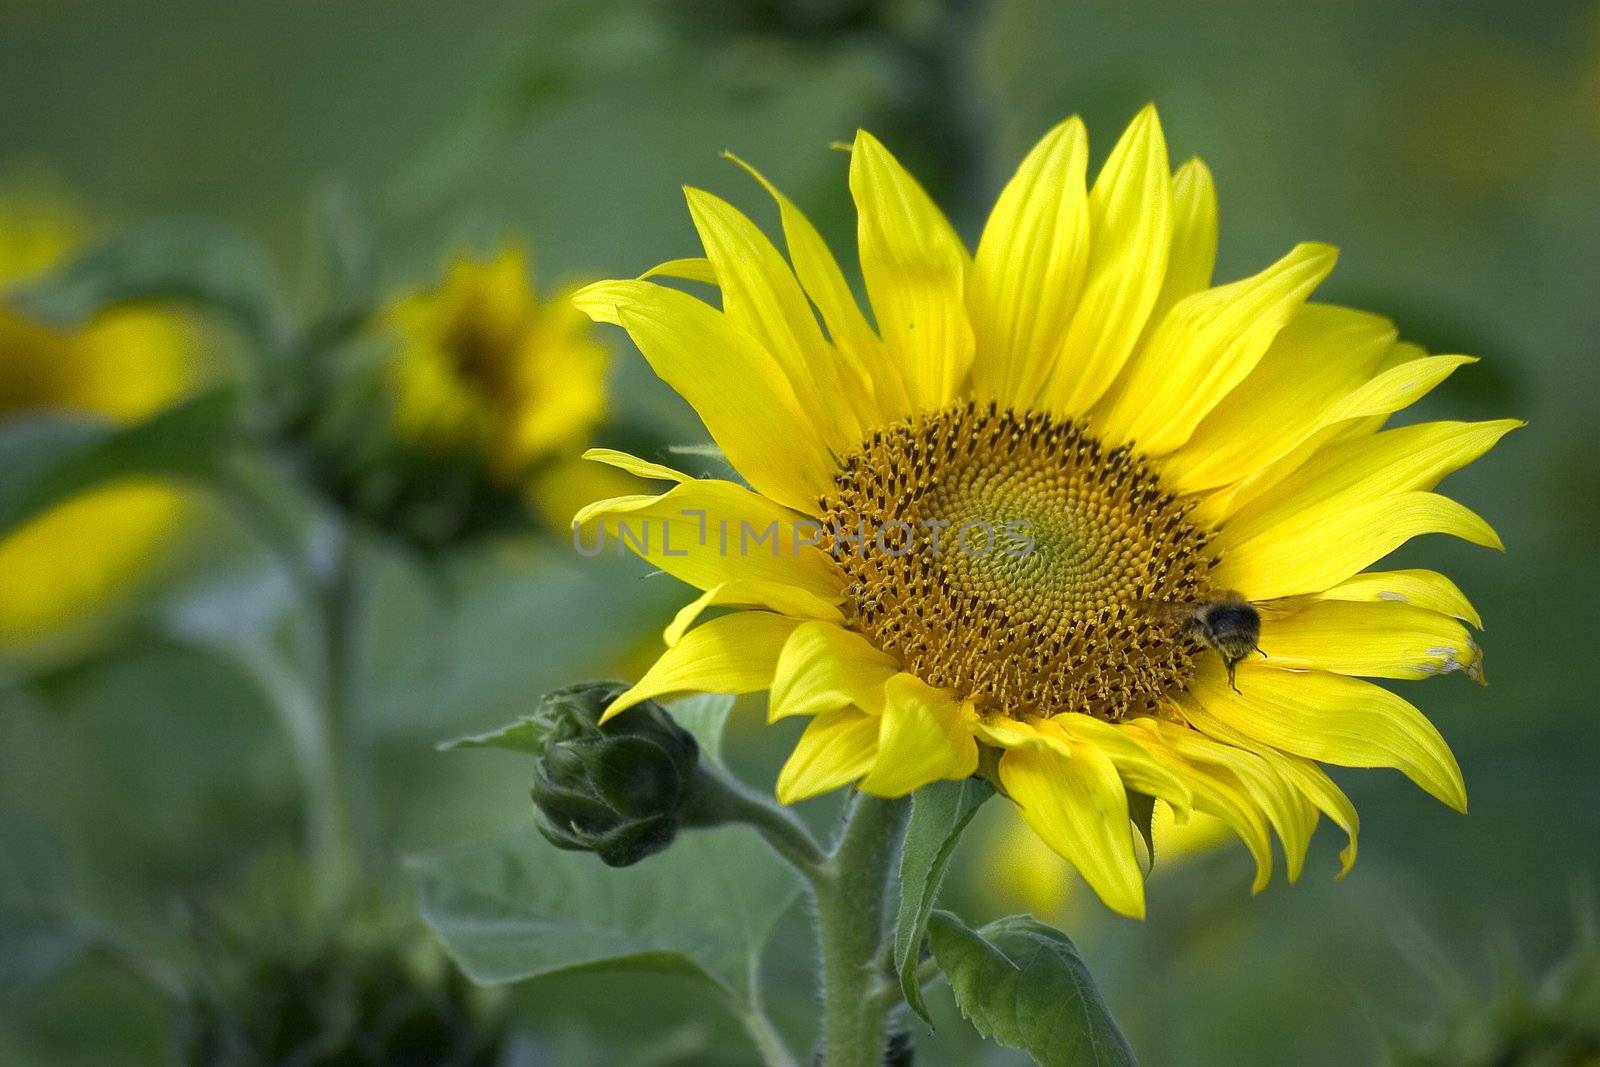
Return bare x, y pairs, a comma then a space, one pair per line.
1197, 474
469, 415
68, 570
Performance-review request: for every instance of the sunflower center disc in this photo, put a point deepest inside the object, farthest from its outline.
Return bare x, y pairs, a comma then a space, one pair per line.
1013, 559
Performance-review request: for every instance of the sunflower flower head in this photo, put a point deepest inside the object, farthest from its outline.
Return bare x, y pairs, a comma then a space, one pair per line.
69, 568
482, 390
1061, 508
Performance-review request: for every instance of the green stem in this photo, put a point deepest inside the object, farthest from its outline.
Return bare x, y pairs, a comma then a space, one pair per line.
852, 926
719, 798
339, 615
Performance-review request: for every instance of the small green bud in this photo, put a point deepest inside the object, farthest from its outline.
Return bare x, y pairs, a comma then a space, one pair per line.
619, 790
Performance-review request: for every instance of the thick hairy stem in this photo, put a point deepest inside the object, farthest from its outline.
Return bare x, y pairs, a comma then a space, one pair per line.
852, 926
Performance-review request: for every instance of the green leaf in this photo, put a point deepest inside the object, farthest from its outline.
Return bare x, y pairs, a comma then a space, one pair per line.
524, 735
1024, 985
172, 260
939, 812
704, 715
518, 907
39, 936
53, 457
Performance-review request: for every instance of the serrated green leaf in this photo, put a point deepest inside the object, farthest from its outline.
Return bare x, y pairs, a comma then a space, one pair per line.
53, 457
939, 812
518, 907
704, 715
1024, 985
172, 260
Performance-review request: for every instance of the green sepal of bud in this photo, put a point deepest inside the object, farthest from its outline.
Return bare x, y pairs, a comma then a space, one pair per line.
618, 790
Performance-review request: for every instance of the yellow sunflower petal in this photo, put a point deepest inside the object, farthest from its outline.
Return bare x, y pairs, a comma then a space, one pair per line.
730, 654
706, 531
1324, 545
1314, 783
781, 597
1332, 719
925, 734
1204, 347
826, 668
1372, 640
725, 374
690, 269
1130, 235
1285, 808
1400, 386
1394, 461
1324, 352
611, 457
1029, 268
1405, 376
836, 748
884, 397
761, 296
914, 267
1139, 769
1078, 806
1218, 792
1419, 588
1193, 253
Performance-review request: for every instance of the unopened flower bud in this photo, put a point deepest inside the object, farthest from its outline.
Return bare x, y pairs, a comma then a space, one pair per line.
617, 790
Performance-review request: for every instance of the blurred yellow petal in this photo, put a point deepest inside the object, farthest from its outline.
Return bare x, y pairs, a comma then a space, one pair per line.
1332, 719
836, 748
1372, 640
924, 735
1419, 588
1207, 344
914, 267
1079, 807
1130, 235
779, 597
1324, 545
825, 668
1029, 268
730, 654
725, 374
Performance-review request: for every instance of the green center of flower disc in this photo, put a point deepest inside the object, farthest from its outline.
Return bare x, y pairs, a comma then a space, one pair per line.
1013, 559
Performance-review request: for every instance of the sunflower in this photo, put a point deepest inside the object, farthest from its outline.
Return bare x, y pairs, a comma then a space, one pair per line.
484, 366
1120, 457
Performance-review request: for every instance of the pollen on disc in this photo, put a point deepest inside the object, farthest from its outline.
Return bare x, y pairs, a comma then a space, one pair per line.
1012, 558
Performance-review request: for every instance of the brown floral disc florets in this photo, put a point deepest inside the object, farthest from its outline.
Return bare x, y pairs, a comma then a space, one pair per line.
1013, 559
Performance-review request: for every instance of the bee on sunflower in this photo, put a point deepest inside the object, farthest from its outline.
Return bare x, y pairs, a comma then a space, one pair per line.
1160, 500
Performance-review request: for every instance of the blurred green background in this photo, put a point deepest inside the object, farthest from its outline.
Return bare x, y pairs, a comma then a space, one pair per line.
1450, 150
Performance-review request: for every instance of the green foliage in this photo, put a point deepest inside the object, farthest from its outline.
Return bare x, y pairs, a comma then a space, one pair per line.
939, 812
517, 907
1024, 985
38, 936
173, 260
53, 457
